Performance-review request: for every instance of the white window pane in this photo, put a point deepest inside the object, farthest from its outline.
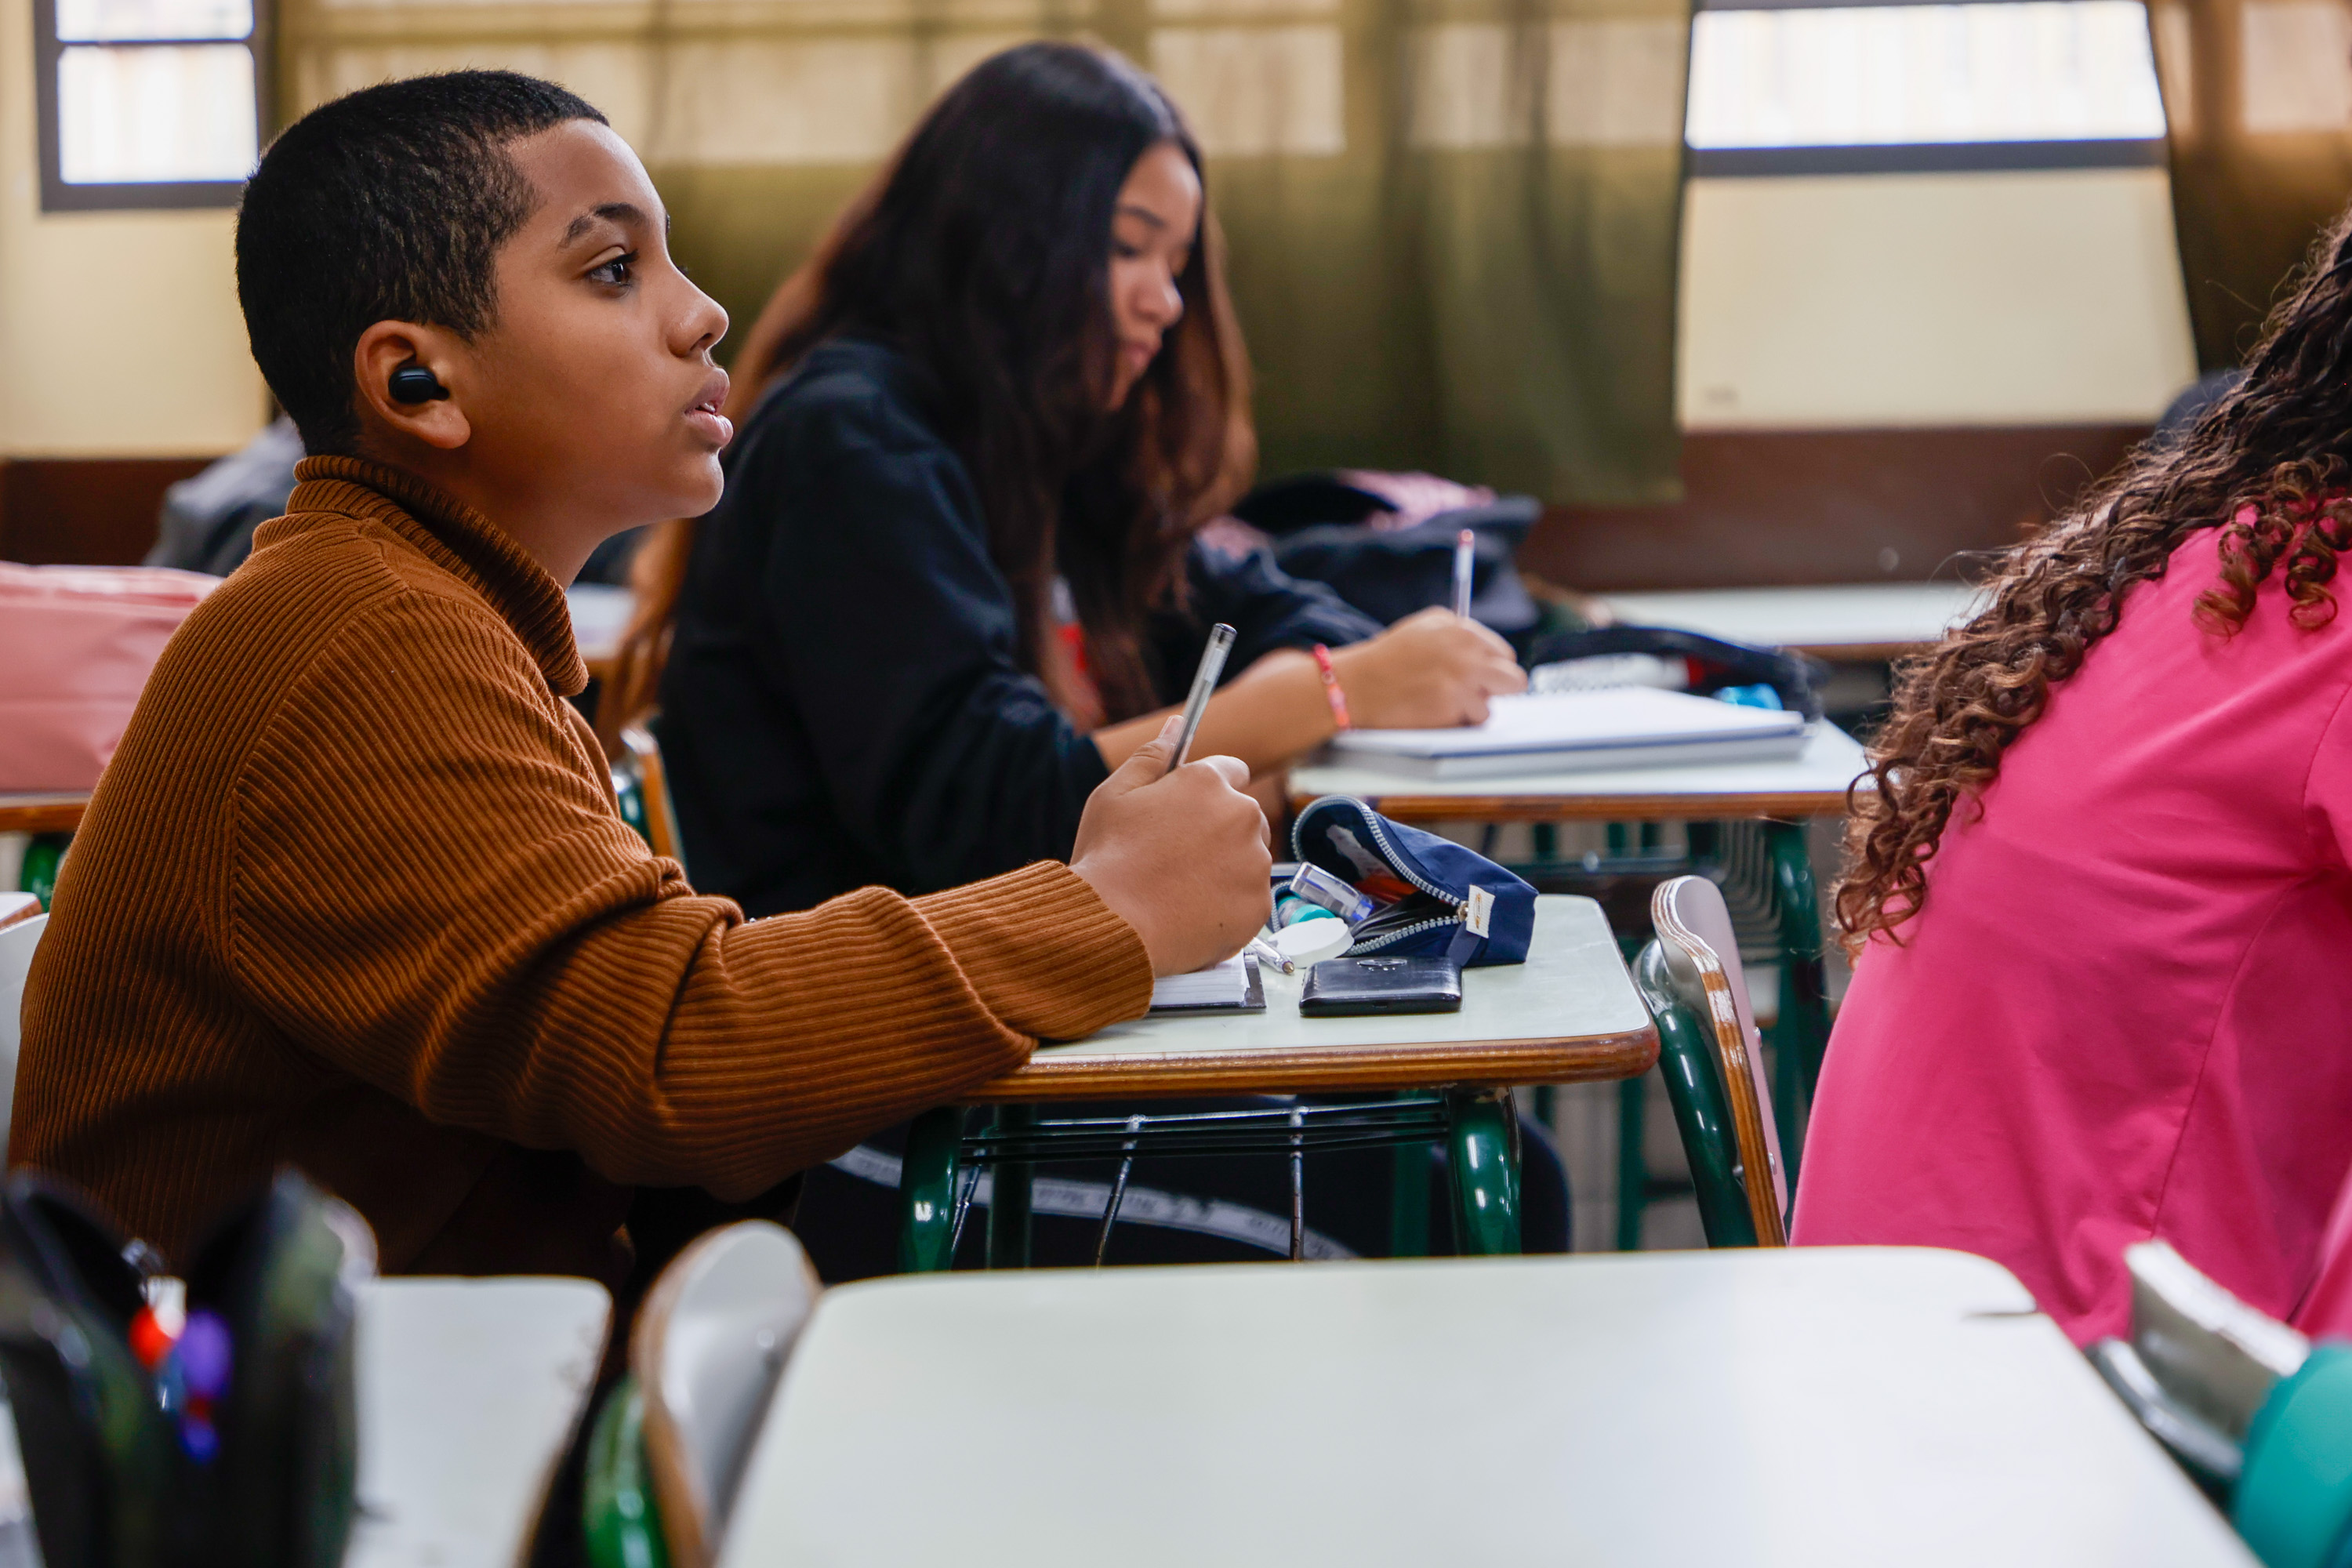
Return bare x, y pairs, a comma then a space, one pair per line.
112, 21
156, 112
108, 21
2033, 70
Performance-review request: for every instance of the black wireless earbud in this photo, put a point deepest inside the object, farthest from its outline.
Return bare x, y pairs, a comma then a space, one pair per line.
415, 383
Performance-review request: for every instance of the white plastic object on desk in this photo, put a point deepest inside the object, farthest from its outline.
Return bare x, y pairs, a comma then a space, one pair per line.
1310, 941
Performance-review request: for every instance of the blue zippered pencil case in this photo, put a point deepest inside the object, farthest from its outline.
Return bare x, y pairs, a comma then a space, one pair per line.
1462, 906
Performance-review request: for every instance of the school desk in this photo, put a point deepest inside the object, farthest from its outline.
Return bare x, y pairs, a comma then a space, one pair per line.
1770, 869
49, 812
1813, 1407
468, 1392
1569, 1014
1849, 621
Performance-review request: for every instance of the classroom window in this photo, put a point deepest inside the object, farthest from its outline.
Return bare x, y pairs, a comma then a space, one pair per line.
146, 103
1861, 88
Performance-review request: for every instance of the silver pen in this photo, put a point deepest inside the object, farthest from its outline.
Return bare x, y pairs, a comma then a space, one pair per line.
1464, 549
1204, 682
1269, 953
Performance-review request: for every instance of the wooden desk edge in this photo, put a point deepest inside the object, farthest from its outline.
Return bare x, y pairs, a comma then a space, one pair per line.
1313, 1068
1782, 803
41, 816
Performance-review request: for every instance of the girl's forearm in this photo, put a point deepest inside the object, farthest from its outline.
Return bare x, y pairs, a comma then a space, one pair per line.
1267, 716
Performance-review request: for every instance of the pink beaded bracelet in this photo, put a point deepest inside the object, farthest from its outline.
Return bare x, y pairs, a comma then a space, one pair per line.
1337, 699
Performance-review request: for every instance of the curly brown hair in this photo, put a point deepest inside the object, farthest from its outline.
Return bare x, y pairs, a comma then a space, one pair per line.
2270, 464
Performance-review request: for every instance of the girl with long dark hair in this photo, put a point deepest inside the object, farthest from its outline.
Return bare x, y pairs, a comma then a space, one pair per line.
955, 577
2100, 890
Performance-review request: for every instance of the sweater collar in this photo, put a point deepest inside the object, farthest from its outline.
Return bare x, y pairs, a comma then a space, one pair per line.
460, 540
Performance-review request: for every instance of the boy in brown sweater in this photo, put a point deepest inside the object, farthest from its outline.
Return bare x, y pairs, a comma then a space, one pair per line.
353, 892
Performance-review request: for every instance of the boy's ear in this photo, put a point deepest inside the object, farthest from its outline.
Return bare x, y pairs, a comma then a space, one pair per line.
391, 346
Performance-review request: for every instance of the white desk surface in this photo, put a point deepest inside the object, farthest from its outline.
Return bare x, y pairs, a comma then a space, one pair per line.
468, 1390
1836, 620
1812, 784
1570, 1012
1813, 1407
600, 614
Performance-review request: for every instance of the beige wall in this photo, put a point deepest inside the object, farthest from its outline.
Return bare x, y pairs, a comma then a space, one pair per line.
2051, 297
119, 331
1832, 301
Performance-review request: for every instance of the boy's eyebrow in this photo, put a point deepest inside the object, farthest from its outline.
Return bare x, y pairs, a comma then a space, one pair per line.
621, 213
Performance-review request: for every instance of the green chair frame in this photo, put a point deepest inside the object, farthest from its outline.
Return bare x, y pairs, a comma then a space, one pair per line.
1688, 1061
940, 1174
618, 1509
1767, 875
43, 856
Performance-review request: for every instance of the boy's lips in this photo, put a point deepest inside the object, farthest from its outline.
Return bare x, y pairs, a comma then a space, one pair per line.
703, 416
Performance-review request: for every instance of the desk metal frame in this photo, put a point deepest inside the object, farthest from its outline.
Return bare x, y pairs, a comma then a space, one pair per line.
1478, 1126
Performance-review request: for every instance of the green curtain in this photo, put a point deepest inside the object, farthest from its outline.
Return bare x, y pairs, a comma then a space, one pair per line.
1452, 224
2258, 96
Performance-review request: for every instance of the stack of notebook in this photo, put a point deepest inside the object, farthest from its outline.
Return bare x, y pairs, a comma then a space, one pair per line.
1232, 987
1575, 732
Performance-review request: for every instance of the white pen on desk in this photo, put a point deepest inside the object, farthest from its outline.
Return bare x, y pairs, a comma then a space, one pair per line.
1268, 953
1204, 682
1464, 549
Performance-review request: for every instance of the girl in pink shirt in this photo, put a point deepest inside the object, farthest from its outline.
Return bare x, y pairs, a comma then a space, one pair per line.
2102, 896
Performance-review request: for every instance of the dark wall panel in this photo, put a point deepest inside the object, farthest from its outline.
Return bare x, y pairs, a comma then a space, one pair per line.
1828, 506
84, 511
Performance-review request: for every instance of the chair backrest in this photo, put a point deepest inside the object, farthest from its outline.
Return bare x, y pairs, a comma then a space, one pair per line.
2200, 1364
1693, 1072
708, 1348
1703, 956
17, 940
661, 814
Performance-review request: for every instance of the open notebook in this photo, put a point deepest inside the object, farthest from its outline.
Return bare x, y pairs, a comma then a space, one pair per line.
1232, 987
1570, 731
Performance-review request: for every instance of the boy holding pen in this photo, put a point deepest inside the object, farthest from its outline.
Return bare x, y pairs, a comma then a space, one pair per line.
354, 893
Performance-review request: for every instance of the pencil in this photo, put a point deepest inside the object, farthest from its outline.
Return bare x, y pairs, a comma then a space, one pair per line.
1463, 548
1204, 682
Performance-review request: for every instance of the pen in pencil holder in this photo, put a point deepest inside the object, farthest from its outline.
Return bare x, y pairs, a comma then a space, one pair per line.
1465, 547
1204, 682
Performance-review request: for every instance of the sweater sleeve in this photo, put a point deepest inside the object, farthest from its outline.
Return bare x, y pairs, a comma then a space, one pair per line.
891, 633
430, 890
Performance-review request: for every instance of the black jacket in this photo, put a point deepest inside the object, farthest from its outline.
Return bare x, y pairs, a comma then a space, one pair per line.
841, 707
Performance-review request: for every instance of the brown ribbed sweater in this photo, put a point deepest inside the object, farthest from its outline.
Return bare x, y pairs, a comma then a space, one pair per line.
354, 894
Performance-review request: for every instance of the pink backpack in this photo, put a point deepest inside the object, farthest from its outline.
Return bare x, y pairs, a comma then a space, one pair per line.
76, 645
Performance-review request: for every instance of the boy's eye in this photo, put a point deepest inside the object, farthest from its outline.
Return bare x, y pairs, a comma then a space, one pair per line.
614, 272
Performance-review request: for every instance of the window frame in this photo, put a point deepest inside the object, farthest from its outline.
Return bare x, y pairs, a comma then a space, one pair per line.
1906, 157
136, 195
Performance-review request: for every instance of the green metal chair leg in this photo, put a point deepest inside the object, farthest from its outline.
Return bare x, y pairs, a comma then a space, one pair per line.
618, 1511
1801, 1033
1633, 1161
1409, 1201
1485, 1171
927, 1192
1008, 1204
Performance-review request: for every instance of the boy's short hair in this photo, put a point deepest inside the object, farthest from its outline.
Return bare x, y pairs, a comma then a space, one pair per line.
387, 204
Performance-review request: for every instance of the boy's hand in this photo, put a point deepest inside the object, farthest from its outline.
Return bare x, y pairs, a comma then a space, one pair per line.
1181, 859
1429, 671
